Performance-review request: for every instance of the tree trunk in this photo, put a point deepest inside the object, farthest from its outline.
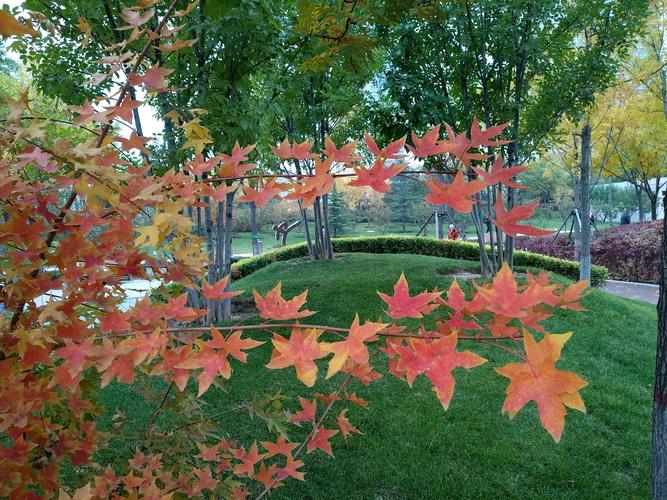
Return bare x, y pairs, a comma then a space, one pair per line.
254, 229
585, 205
659, 480
228, 251
640, 203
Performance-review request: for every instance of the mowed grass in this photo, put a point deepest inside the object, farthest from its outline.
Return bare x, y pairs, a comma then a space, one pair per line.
411, 447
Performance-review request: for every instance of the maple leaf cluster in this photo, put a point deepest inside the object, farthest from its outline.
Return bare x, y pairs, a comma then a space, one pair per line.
70, 234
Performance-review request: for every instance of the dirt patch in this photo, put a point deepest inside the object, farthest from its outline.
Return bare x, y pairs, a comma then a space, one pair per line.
243, 307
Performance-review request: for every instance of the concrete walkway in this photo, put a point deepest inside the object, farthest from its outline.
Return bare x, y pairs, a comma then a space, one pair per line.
639, 291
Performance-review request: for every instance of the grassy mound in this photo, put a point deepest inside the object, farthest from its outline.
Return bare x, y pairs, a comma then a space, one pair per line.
411, 447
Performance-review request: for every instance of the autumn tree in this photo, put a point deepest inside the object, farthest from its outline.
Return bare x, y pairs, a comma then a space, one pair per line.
68, 331
520, 62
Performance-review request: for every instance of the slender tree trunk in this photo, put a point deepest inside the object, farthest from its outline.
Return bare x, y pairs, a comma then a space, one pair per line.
659, 482
328, 246
211, 275
254, 229
304, 218
584, 193
228, 250
640, 203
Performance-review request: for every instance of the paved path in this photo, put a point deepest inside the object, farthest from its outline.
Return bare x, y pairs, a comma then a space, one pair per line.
640, 291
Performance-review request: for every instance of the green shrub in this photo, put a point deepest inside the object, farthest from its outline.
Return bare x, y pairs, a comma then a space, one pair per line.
420, 246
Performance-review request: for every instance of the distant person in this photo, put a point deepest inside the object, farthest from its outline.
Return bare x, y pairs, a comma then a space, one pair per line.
625, 218
453, 233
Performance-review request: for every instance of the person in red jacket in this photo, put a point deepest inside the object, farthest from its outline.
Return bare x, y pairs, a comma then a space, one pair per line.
453, 233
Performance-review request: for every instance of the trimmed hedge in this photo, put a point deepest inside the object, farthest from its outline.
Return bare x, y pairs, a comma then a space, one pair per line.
420, 246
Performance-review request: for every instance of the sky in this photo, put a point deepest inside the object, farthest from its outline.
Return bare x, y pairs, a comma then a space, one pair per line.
152, 126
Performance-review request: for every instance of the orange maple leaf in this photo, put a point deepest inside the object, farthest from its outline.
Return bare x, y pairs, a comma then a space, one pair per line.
435, 358
427, 145
217, 290
353, 347
459, 194
377, 176
343, 155
539, 380
310, 187
273, 306
264, 193
212, 357
346, 428
506, 221
573, 294
301, 151
502, 297
402, 305
300, 350
238, 155
501, 175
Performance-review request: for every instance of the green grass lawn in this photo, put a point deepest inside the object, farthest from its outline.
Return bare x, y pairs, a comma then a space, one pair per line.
411, 448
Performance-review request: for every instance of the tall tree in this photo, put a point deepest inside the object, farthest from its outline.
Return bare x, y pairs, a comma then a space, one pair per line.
519, 61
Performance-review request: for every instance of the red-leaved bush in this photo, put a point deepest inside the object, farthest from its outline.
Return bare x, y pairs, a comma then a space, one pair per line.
630, 252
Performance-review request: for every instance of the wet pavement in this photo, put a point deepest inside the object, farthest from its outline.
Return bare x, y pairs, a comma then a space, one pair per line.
639, 291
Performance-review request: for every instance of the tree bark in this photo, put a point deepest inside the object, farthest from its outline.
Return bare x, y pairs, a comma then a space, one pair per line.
228, 251
659, 479
585, 205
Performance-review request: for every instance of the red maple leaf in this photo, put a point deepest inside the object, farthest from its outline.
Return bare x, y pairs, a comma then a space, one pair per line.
76, 355
353, 347
247, 467
123, 110
273, 306
428, 145
506, 221
320, 440
539, 380
153, 79
267, 476
176, 309
307, 412
280, 447
290, 469
392, 151
377, 176
480, 137
300, 350
402, 305
501, 175
204, 481
459, 194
